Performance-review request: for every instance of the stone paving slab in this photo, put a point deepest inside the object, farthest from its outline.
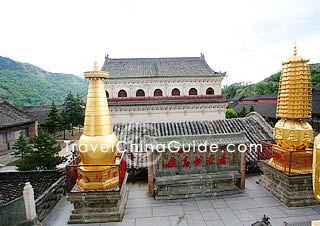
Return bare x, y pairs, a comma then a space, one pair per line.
241, 209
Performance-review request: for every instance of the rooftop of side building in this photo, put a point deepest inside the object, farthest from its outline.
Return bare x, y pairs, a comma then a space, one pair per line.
12, 116
158, 67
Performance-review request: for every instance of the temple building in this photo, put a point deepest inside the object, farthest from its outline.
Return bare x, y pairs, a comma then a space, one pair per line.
163, 89
12, 122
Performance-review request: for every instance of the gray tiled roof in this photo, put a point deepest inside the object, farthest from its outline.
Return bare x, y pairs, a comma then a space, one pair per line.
13, 183
38, 112
264, 109
258, 97
158, 67
269, 109
12, 116
254, 127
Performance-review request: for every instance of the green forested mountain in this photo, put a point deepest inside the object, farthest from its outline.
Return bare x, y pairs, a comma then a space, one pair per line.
25, 84
266, 86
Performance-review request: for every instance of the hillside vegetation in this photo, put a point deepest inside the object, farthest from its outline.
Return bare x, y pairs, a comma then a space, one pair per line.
25, 84
267, 86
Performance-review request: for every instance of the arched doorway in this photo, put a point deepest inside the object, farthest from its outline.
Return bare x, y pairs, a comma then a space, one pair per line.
175, 92
140, 93
122, 93
210, 91
193, 92
157, 93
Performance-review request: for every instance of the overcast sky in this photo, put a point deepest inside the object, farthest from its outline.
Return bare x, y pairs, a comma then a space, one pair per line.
248, 39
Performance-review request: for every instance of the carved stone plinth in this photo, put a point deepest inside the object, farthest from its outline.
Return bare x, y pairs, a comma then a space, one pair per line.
95, 206
101, 179
197, 185
291, 190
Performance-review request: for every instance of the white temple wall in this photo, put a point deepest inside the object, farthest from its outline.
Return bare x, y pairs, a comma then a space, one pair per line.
168, 113
149, 85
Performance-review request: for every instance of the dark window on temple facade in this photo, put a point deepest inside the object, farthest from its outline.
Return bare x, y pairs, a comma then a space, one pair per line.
157, 93
193, 92
140, 93
107, 94
175, 92
210, 91
122, 93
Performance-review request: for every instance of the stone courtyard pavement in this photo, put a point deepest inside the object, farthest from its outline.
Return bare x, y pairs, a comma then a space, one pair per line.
242, 209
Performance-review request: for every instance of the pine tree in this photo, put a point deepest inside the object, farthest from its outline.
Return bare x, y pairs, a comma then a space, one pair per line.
46, 152
243, 112
52, 120
69, 107
251, 108
63, 122
78, 112
23, 150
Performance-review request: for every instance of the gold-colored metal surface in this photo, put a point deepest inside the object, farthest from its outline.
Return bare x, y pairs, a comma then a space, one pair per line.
316, 167
292, 134
294, 99
98, 143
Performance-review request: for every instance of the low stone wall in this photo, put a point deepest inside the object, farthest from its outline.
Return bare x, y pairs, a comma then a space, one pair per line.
49, 187
197, 185
47, 201
198, 170
13, 212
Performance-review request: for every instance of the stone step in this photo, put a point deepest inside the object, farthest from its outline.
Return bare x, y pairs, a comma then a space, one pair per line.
94, 218
169, 196
95, 210
92, 215
195, 189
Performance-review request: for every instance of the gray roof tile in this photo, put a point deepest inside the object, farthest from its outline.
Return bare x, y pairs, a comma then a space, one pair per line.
254, 127
12, 116
158, 67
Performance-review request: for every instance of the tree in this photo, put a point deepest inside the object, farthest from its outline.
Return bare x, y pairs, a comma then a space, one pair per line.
74, 114
64, 122
251, 108
230, 113
46, 152
271, 123
78, 112
243, 112
52, 120
69, 107
22, 150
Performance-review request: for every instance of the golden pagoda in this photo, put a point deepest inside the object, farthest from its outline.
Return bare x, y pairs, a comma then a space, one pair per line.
293, 135
98, 144
316, 167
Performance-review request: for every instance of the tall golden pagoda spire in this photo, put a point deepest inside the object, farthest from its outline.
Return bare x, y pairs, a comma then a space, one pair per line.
294, 101
98, 143
97, 117
292, 133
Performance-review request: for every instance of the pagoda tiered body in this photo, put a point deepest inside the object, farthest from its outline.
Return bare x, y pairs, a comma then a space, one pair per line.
293, 135
98, 143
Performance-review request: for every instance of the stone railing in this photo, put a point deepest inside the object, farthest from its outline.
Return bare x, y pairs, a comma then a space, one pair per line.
47, 200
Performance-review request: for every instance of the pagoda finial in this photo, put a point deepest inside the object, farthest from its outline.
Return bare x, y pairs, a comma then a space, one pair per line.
95, 66
295, 49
